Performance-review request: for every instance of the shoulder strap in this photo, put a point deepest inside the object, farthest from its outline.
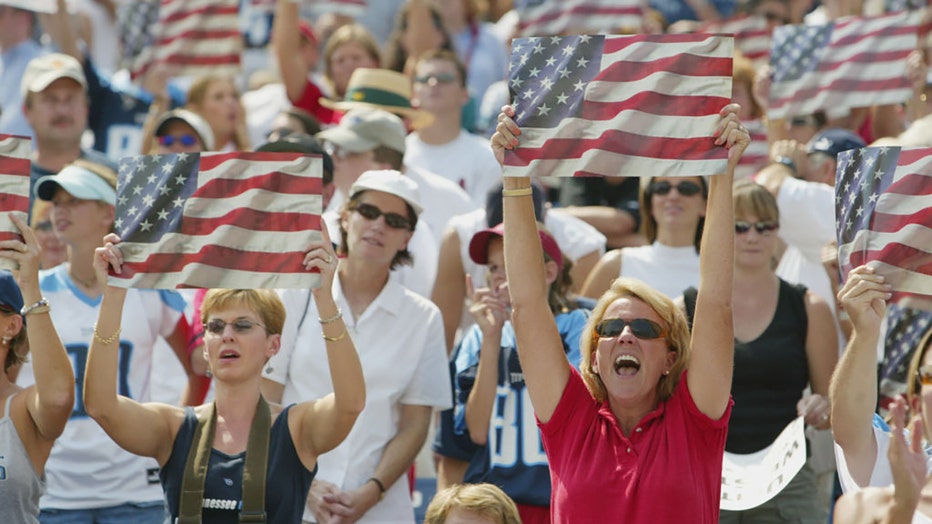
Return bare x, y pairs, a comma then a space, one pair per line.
6, 405
195, 469
257, 462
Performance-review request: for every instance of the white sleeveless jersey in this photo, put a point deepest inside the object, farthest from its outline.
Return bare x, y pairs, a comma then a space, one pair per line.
86, 468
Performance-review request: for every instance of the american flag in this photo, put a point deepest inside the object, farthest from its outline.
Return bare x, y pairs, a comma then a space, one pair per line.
613, 105
892, 6
757, 155
883, 210
905, 329
350, 8
751, 32
15, 152
197, 36
39, 6
228, 220
557, 17
855, 62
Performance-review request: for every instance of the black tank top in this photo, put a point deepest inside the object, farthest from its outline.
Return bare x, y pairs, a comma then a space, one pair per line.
286, 486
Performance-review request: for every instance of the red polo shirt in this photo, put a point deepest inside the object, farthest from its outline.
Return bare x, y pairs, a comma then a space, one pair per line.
668, 470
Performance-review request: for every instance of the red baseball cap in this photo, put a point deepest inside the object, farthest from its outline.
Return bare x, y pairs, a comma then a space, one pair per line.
479, 245
307, 32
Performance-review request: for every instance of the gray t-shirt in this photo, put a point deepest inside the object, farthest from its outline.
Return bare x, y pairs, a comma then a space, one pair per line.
20, 486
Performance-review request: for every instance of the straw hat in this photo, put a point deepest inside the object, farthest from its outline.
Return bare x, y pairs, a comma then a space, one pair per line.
381, 89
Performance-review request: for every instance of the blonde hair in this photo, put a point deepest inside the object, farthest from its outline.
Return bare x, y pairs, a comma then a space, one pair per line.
264, 302
673, 320
487, 500
912, 380
197, 94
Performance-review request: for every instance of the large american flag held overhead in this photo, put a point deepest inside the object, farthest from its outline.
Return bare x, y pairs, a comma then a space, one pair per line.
619, 105
854, 62
15, 152
196, 36
883, 211
217, 220
555, 17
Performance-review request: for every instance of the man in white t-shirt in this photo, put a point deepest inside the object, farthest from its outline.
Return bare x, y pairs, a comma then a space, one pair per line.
444, 147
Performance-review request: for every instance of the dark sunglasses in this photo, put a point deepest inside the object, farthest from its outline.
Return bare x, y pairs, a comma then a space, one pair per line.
216, 326
763, 228
924, 374
685, 188
641, 327
774, 17
441, 78
45, 226
170, 140
394, 220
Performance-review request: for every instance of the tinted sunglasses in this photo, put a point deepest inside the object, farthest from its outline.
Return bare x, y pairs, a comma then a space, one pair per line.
774, 17
441, 78
44, 226
240, 326
924, 374
394, 220
170, 140
641, 327
685, 188
763, 228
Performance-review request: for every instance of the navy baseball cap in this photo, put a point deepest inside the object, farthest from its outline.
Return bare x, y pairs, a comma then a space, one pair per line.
10, 296
834, 140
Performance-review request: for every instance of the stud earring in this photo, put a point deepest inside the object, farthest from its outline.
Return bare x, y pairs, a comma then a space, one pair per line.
6, 340
269, 369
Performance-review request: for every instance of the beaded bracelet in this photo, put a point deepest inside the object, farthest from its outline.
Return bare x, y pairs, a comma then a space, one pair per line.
334, 318
109, 339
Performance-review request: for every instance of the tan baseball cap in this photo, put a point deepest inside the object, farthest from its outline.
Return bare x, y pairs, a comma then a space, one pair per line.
366, 129
42, 71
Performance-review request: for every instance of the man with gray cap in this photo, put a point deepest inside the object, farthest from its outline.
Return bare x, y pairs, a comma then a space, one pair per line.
371, 139
89, 478
55, 103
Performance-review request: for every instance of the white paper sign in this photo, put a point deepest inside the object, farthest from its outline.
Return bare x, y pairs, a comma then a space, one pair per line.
750, 480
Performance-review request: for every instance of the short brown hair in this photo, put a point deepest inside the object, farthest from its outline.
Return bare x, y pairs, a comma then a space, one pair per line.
263, 302
18, 346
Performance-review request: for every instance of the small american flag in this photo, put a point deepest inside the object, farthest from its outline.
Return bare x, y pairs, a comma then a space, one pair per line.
855, 62
613, 105
905, 328
227, 220
15, 152
556, 17
883, 210
751, 32
197, 36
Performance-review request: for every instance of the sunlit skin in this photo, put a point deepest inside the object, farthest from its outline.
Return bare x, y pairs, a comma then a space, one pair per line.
632, 387
373, 239
58, 114
676, 214
235, 357
741, 95
434, 95
753, 249
53, 250
497, 280
74, 218
344, 60
221, 109
176, 128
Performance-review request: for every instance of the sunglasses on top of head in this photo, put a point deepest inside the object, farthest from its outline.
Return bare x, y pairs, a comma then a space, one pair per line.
393, 220
762, 228
216, 326
640, 327
685, 188
170, 140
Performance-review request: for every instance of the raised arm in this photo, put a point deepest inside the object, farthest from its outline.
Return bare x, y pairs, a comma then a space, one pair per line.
712, 358
286, 39
143, 429
50, 402
320, 425
449, 287
540, 348
853, 389
490, 313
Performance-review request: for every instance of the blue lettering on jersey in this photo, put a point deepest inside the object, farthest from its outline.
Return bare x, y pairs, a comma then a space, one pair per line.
2, 470
78, 355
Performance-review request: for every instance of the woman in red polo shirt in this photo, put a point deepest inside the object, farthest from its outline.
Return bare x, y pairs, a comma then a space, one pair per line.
637, 435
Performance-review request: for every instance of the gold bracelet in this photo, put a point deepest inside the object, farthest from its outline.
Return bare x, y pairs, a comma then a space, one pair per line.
109, 339
523, 191
334, 318
341, 336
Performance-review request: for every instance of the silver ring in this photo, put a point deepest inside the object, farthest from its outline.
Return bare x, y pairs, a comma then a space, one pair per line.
824, 416
327, 261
